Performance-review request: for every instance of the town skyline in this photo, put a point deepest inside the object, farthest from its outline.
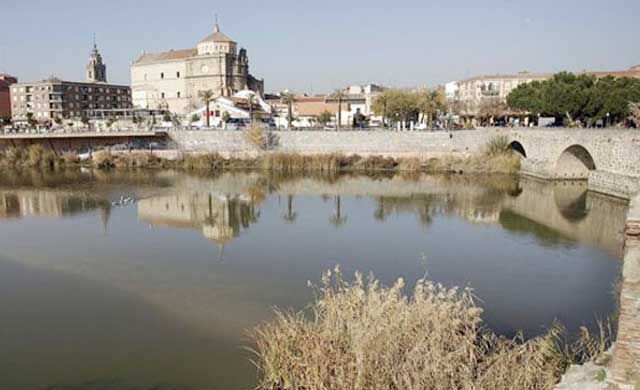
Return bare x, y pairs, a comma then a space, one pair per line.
286, 62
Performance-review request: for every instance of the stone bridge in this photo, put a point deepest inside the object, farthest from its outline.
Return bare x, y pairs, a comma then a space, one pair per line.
609, 159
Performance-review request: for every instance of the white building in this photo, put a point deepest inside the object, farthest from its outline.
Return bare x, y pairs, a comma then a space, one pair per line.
236, 107
174, 79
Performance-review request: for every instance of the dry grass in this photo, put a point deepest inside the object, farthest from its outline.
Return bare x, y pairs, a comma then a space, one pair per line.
366, 336
261, 138
634, 113
497, 145
103, 159
35, 156
291, 163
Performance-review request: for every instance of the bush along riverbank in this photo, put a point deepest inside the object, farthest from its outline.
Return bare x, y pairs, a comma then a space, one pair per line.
497, 158
362, 335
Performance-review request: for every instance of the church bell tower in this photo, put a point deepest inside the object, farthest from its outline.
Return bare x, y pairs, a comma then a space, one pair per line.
96, 69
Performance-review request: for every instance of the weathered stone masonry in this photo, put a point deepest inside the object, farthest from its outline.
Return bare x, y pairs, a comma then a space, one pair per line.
609, 159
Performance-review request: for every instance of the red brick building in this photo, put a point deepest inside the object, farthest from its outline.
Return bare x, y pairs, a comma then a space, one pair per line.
5, 96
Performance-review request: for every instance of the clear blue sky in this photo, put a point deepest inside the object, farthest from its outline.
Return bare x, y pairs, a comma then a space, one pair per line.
300, 44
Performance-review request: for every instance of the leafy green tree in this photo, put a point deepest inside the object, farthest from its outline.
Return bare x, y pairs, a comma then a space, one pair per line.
5, 120
398, 104
429, 102
206, 96
325, 117
31, 120
577, 98
225, 117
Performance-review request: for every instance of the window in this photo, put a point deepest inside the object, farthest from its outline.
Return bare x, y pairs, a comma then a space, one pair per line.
178, 94
178, 74
162, 75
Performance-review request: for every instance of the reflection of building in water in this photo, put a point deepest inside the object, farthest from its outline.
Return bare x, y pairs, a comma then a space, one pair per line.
220, 217
23, 203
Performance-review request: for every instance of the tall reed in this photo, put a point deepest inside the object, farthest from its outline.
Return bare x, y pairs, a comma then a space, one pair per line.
362, 335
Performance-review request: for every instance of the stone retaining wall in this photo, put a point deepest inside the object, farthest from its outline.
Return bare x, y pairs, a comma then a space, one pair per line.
385, 143
626, 356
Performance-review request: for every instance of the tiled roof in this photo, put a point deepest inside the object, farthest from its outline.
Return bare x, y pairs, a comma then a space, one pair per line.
217, 37
170, 55
312, 108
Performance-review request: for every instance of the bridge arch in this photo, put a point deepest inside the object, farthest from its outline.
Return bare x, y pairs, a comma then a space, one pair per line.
518, 148
575, 162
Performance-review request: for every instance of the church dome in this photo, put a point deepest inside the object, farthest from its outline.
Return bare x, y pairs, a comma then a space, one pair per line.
217, 37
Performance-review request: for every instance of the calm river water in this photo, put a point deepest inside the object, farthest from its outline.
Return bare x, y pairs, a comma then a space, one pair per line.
159, 293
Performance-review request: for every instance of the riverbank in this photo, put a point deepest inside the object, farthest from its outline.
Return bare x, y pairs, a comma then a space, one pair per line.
492, 161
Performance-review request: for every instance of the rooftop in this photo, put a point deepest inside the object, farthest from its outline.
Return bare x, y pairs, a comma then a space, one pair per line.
170, 55
217, 36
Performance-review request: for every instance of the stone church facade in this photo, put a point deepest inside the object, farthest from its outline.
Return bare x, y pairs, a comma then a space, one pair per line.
174, 79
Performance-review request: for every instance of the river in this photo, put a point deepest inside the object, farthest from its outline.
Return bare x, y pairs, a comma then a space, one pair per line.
160, 292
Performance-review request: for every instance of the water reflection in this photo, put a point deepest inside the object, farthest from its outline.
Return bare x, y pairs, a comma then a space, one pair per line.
560, 212
153, 298
220, 217
19, 204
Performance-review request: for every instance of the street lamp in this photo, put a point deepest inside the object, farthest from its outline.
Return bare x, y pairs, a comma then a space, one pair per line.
607, 123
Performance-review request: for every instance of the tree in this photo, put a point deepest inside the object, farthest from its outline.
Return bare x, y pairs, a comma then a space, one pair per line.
225, 118
288, 99
57, 120
492, 108
398, 104
194, 118
206, 96
137, 120
5, 120
582, 98
379, 106
31, 121
325, 117
429, 102
339, 95
84, 119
